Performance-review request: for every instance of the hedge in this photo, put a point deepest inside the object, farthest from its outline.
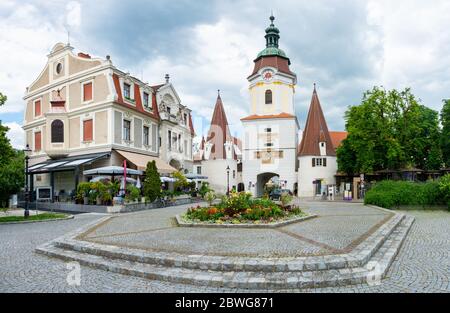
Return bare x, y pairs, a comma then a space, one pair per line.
392, 194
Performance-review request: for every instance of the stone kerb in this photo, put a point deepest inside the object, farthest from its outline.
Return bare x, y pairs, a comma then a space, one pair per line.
181, 222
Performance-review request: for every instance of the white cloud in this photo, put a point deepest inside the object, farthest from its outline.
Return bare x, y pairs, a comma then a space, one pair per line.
16, 135
27, 37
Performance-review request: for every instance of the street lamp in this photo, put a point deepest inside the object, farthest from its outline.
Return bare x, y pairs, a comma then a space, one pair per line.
228, 180
27, 151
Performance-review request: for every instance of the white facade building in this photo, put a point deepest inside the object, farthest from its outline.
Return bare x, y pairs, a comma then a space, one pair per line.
219, 155
270, 132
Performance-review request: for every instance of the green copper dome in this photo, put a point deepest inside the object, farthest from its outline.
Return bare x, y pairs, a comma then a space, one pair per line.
272, 51
272, 36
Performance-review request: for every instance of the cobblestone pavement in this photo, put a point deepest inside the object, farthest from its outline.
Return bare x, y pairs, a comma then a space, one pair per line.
422, 264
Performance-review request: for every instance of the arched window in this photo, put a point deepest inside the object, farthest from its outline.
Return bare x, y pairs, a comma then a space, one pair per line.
57, 131
268, 96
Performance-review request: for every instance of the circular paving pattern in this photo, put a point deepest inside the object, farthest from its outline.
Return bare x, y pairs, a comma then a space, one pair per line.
422, 264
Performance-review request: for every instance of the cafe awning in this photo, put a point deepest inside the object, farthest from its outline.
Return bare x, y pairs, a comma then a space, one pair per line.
141, 160
66, 164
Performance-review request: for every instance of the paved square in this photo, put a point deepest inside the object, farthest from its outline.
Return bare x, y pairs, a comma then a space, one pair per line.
422, 264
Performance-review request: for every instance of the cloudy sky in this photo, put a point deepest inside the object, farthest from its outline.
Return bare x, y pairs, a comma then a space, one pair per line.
346, 47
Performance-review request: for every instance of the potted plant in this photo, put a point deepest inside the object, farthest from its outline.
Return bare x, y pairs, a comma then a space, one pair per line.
83, 189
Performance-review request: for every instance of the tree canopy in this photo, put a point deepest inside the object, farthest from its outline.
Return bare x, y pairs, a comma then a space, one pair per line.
445, 137
390, 130
12, 176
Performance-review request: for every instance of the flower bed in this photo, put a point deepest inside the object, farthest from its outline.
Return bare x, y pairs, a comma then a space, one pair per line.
241, 208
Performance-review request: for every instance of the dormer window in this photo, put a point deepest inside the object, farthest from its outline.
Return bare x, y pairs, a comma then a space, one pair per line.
268, 96
127, 91
146, 98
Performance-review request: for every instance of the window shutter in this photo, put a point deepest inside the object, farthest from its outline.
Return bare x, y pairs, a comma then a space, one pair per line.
87, 130
37, 141
313, 162
87, 92
325, 162
37, 108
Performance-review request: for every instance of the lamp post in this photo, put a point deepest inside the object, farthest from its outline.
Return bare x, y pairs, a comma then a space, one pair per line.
27, 150
228, 180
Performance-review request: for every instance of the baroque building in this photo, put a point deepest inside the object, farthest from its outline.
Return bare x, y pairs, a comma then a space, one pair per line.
83, 112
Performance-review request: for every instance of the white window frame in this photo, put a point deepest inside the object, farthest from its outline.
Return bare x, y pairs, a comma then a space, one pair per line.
123, 130
146, 145
131, 100
85, 82
149, 107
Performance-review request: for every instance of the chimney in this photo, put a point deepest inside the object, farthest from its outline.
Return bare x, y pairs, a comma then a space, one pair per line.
167, 78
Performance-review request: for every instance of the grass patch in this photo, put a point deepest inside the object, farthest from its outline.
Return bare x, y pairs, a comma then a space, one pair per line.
39, 217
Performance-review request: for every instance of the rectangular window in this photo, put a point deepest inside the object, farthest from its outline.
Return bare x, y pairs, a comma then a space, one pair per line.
87, 92
146, 135
127, 91
126, 130
37, 108
169, 134
269, 144
234, 174
319, 162
87, 130
37, 141
268, 130
199, 170
168, 110
146, 100
185, 118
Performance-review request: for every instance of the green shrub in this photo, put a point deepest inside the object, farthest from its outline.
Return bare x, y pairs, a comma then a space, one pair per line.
286, 198
209, 197
392, 194
133, 193
444, 188
204, 189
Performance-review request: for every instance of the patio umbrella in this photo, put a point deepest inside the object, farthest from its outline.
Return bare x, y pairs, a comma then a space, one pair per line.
138, 183
99, 178
111, 170
165, 179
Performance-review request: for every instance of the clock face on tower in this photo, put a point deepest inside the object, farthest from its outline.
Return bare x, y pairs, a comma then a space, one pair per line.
267, 75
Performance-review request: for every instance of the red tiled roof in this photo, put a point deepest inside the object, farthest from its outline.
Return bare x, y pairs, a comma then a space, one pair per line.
316, 130
137, 97
261, 117
202, 143
218, 133
191, 125
282, 64
337, 137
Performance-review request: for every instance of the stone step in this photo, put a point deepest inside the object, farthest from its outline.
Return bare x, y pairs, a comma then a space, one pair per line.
377, 268
357, 258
